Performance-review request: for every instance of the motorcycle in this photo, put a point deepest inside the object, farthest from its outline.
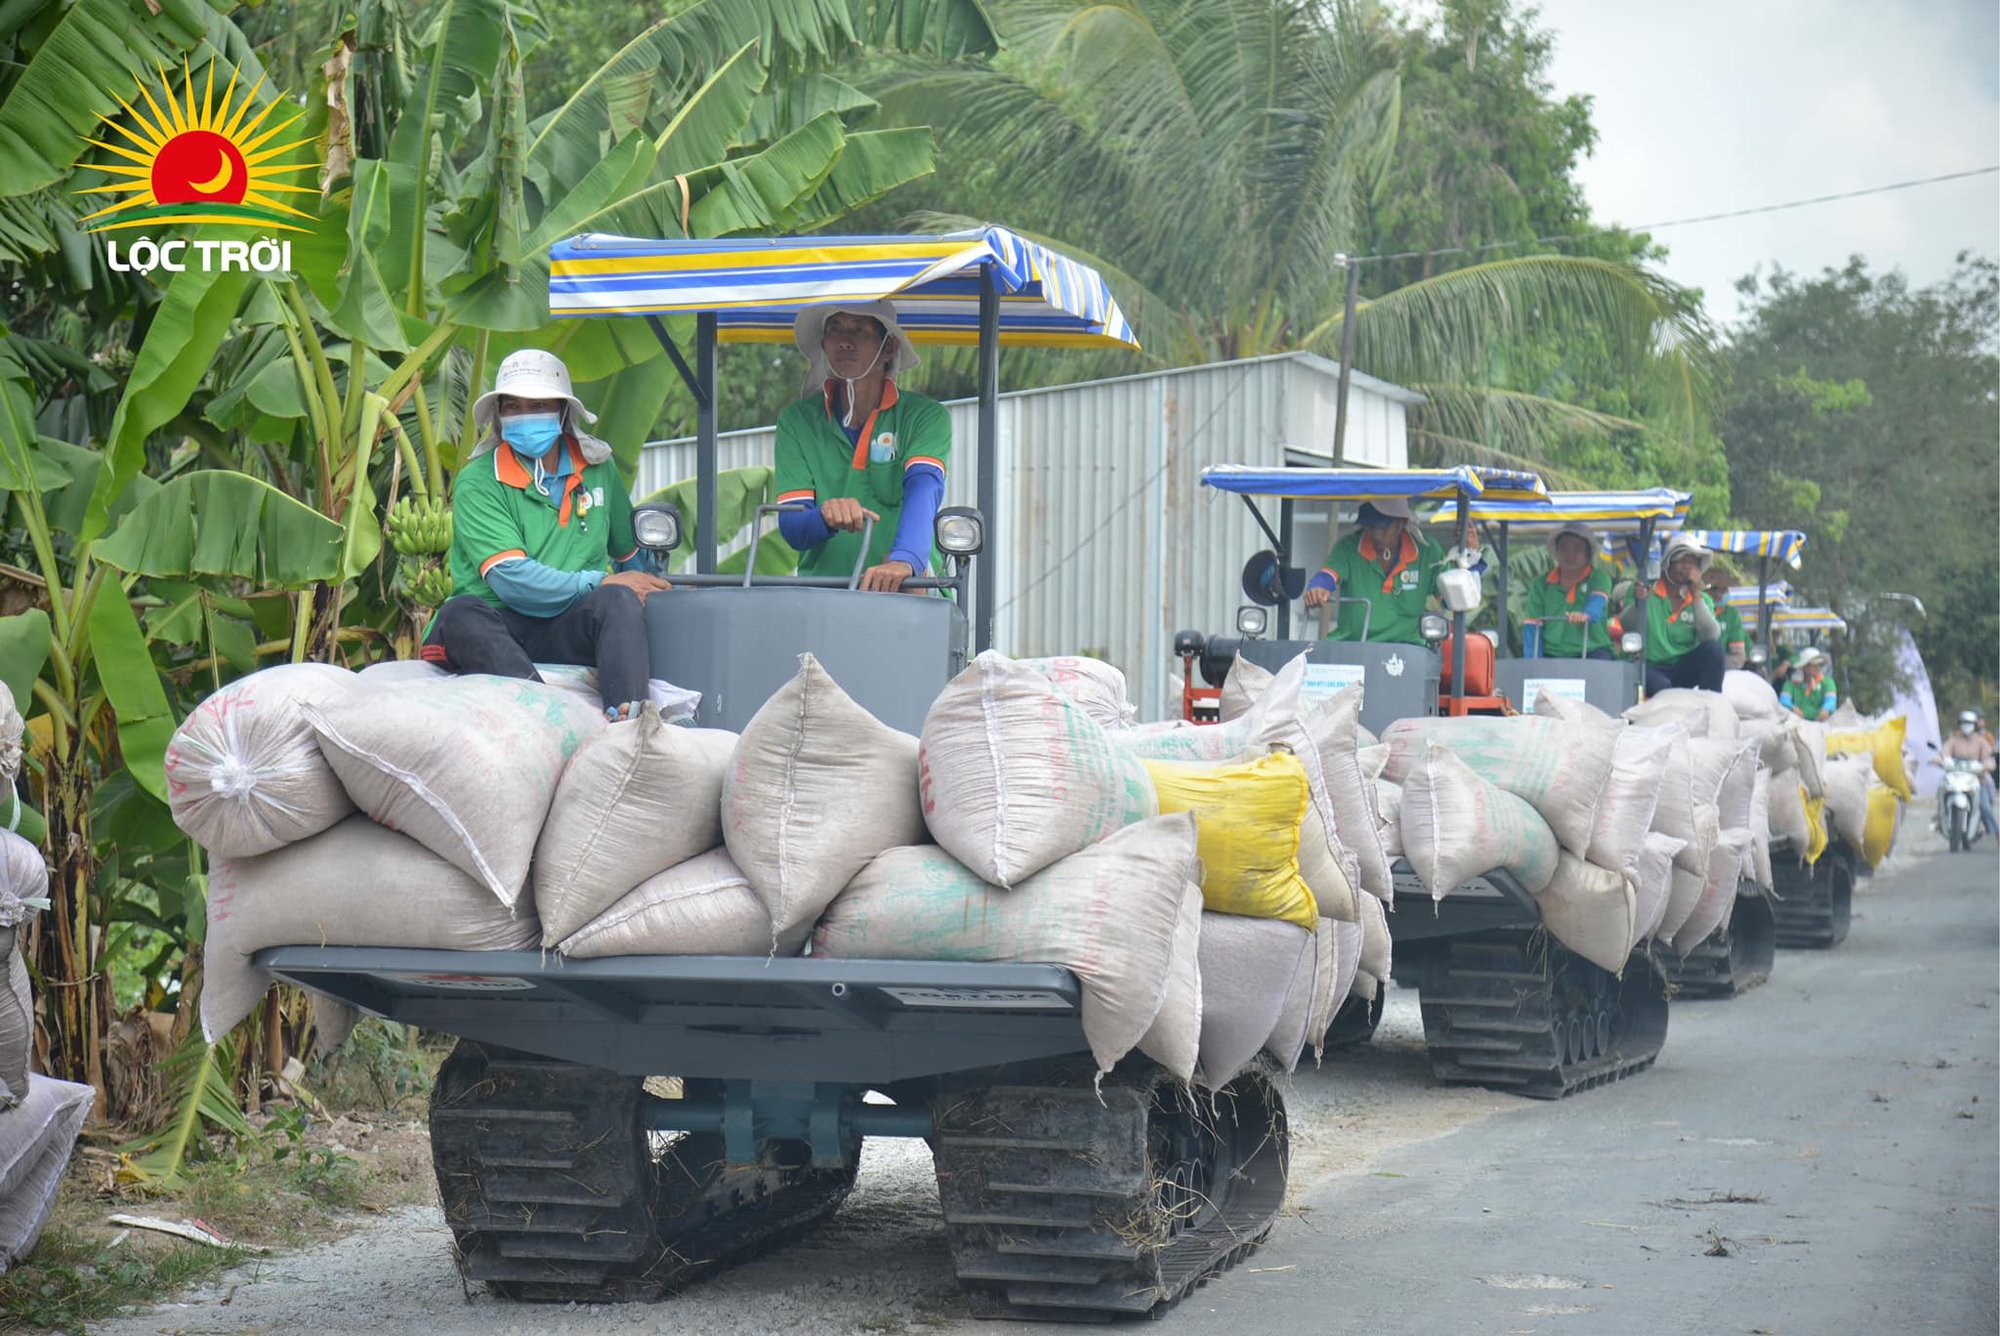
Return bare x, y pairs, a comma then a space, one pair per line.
1958, 803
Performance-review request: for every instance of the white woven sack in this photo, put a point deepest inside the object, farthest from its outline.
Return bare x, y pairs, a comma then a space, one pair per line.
1631, 795
465, 766
1174, 1038
1651, 885
1241, 688
1750, 695
1255, 732
1346, 962
701, 907
1092, 683
1457, 826
1686, 890
244, 770
1760, 832
1328, 878
816, 787
1591, 910
1560, 768
1015, 775
358, 884
12, 728
1310, 992
1847, 779
1110, 913
1718, 894
1809, 753
1689, 706
1788, 812
640, 797
1674, 815
1376, 944
1247, 966
35, 1144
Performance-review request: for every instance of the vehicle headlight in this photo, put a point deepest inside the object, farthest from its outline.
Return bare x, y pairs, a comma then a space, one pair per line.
960, 531
1757, 657
1459, 591
1433, 628
657, 526
1251, 621
1632, 642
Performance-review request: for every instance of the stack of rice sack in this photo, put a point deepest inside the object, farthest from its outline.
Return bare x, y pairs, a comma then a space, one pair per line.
39, 1118
1162, 865
1869, 785
1343, 854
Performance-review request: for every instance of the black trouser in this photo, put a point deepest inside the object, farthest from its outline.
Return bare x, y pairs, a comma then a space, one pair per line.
605, 630
1700, 667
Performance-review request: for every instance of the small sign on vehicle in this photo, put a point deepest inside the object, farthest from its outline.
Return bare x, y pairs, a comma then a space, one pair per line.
1323, 679
1563, 688
1000, 999
467, 983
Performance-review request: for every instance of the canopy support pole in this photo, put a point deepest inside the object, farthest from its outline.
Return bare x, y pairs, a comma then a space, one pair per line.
704, 443
1458, 618
688, 377
1346, 361
1764, 603
1642, 587
1500, 589
1284, 564
984, 613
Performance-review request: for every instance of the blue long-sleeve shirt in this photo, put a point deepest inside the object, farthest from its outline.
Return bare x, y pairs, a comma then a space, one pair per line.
923, 492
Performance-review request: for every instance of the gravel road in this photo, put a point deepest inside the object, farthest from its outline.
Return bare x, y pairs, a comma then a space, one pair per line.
1362, 1123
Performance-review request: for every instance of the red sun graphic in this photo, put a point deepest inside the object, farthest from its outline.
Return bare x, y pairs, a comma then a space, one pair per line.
199, 167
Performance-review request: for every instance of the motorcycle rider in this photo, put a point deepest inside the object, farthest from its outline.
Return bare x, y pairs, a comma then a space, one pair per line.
1968, 744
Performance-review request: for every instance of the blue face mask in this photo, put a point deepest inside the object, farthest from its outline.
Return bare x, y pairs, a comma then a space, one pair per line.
531, 434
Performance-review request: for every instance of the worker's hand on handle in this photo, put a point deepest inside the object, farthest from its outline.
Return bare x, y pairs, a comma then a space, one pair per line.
846, 514
1576, 618
888, 577
638, 582
1317, 596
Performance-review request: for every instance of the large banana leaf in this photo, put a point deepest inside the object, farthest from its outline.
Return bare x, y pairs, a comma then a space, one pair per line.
91, 58
219, 523
132, 684
785, 107
192, 319
758, 192
871, 164
738, 493
24, 648
199, 1090
711, 120
377, 255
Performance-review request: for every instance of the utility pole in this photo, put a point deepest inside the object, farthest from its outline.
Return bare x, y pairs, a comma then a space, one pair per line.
1346, 359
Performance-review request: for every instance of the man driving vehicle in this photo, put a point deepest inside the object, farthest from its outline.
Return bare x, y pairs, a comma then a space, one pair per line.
538, 513
1572, 604
1387, 568
858, 447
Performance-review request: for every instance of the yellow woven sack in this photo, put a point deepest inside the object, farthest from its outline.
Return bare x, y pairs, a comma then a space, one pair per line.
1878, 831
1247, 816
1815, 825
1883, 744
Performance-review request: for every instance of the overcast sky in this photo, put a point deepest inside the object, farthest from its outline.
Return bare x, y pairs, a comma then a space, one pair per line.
1704, 106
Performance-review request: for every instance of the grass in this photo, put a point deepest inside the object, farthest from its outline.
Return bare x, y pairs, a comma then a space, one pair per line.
293, 1184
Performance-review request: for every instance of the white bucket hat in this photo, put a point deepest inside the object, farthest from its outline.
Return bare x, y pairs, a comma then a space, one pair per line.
1811, 655
1391, 507
811, 321
1574, 531
528, 374
533, 373
1683, 543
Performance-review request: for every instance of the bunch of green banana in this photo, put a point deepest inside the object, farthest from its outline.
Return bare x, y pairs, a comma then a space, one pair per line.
417, 527
428, 582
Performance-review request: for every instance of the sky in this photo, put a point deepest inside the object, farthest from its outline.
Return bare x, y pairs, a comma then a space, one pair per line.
1704, 106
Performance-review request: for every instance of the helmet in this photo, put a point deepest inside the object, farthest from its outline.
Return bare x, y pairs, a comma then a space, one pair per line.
1969, 717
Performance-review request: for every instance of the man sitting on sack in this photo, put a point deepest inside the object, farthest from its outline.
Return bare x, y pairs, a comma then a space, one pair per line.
1683, 634
860, 448
1385, 571
544, 565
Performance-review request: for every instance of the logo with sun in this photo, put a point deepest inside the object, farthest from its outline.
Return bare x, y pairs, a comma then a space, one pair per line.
202, 161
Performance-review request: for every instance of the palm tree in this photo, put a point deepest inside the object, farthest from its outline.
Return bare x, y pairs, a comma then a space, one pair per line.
1213, 156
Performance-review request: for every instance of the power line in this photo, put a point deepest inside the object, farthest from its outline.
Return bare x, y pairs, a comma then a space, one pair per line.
1678, 222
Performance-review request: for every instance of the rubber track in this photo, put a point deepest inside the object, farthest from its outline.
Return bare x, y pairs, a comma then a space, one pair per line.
554, 1193
1491, 1005
1730, 962
1050, 1198
1815, 902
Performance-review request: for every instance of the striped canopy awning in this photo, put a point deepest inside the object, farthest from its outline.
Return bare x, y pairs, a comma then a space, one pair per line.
1601, 512
1743, 598
757, 286
1808, 619
1785, 545
1378, 484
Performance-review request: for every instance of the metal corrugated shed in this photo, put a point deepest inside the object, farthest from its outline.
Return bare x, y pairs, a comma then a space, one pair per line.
1107, 544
